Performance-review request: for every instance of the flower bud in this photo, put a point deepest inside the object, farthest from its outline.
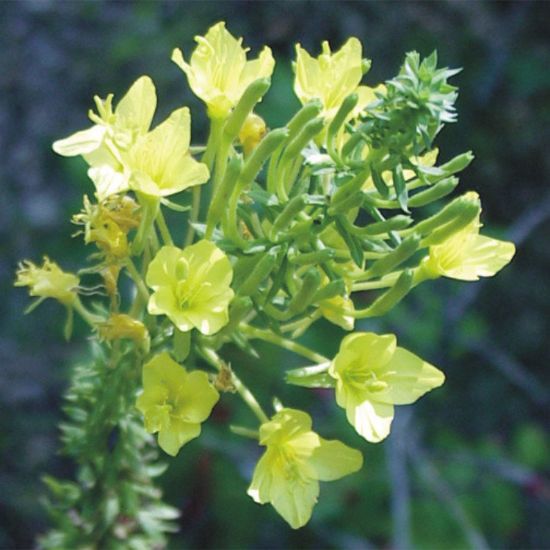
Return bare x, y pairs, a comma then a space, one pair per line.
252, 132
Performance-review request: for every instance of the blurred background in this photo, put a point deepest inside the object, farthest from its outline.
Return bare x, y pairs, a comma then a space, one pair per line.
469, 465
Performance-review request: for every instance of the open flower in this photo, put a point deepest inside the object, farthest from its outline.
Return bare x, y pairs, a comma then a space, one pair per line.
191, 286
103, 145
331, 77
296, 459
467, 255
174, 402
219, 72
160, 161
48, 281
372, 375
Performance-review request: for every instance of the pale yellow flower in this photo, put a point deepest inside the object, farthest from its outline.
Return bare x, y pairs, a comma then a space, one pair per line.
467, 255
296, 459
174, 402
373, 375
219, 72
103, 145
192, 286
331, 77
160, 161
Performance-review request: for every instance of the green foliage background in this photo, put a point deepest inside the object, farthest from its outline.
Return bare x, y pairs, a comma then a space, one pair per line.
472, 464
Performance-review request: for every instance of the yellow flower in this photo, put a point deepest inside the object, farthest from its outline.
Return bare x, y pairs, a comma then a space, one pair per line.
174, 402
160, 161
296, 459
467, 255
332, 76
219, 72
48, 281
191, 286
103, 145
372, 375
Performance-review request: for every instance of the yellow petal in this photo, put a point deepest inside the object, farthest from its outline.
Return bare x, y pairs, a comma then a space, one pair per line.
176, 435
294, 501
80, 143
484, 257
198, 397
162, 370
333, 460
161, 160
163, 268
108, 181
137, 107
372, 420
408, 378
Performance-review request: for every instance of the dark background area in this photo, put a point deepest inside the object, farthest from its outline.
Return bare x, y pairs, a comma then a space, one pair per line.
470, 466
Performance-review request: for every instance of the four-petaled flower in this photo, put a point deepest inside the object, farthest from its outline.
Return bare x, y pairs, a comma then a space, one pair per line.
467, 255
174, 402
296, 459
372, 375
331, 77
104, 145
219, 72
191, 286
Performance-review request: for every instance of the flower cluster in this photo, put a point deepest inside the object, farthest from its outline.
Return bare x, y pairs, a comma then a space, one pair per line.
292, 224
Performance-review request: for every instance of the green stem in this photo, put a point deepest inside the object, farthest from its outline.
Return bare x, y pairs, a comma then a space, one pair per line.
194, 215
245, 432
214, 359
272, 338
88, 317
163, 228
136, 277
385, 282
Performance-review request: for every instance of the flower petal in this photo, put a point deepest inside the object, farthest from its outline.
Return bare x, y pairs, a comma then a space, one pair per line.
294, 501
162, 269
408, 378
137, 107
333, 460
81, 142
484, 257
198, 397
176, 435
371, 419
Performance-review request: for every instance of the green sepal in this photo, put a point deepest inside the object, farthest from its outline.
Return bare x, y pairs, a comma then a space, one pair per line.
315, 376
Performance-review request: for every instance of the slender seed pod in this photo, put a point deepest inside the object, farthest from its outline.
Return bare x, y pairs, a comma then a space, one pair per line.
304, 297
438, 191
390, 298
244, 107
262, 269
254, 163
402, 253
